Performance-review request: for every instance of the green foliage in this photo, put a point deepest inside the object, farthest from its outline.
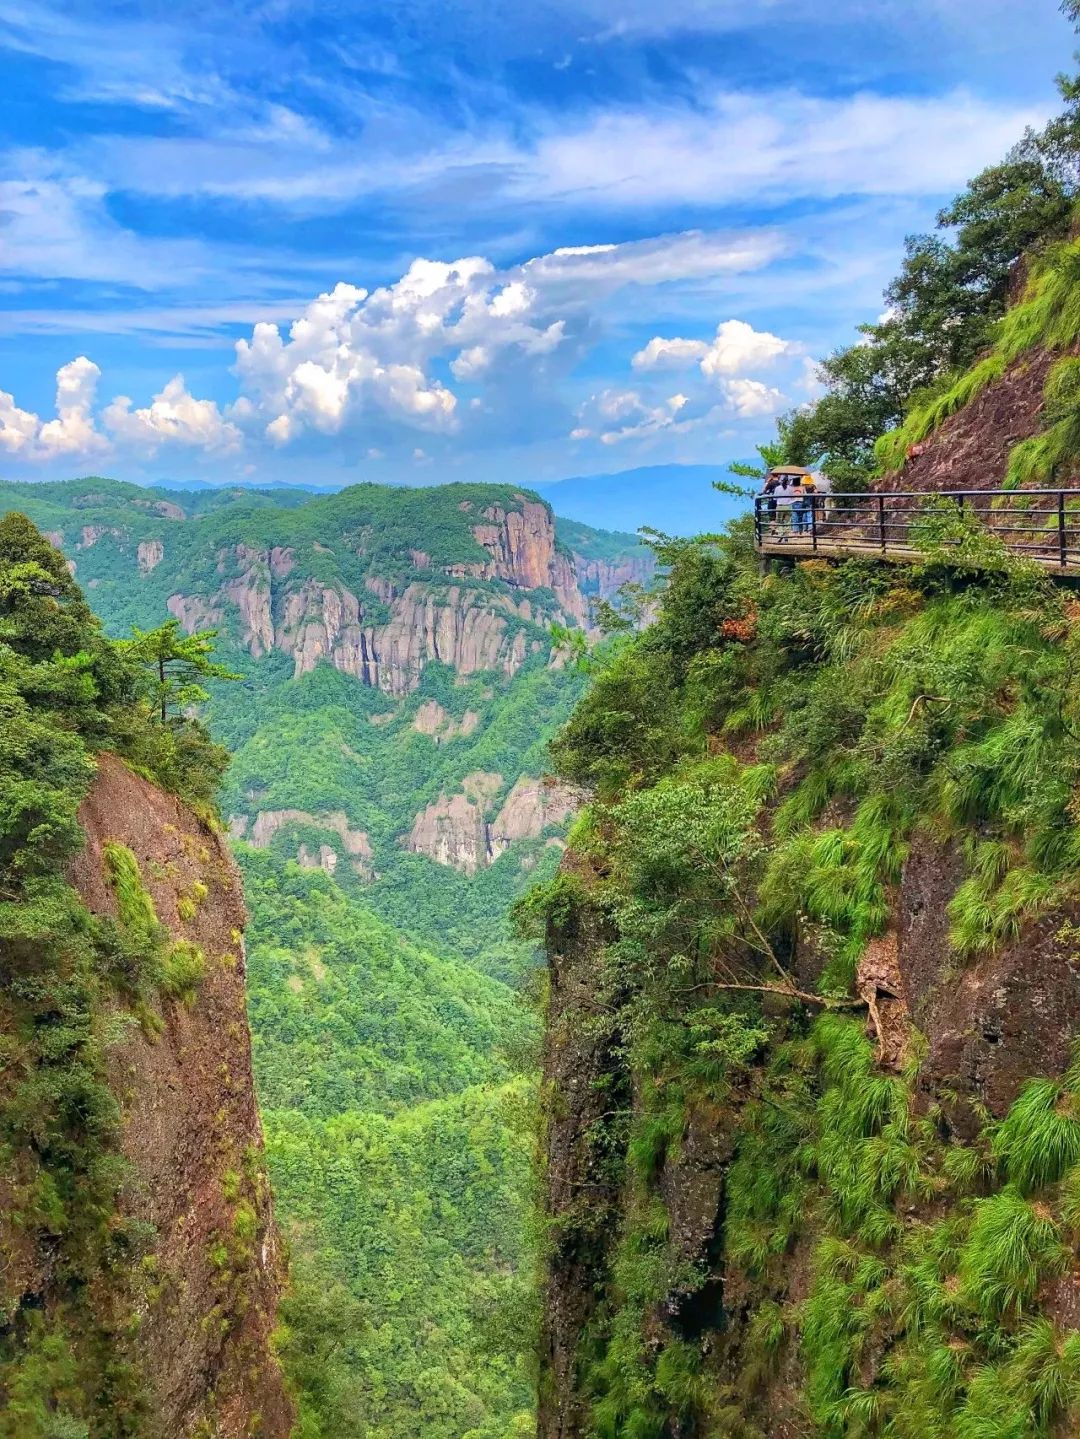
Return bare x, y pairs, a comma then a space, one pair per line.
868, 712
135, 908
66, 692
1012, 1243
174, 663
925, 359
1040, 1137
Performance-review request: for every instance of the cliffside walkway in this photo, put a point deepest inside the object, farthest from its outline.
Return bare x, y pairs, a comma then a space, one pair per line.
1043, 525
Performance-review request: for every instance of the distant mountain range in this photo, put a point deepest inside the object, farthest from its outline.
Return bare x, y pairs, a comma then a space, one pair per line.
676, 499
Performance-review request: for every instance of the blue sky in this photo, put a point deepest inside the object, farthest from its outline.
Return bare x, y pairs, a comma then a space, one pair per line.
341, 241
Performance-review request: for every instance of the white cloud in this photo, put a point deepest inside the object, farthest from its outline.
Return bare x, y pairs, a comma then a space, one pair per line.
751, 399
173, 417
771, 144
72, 432
661, 354
736, 348
615, 416
661, 259
57, 226
18, 428
355, 355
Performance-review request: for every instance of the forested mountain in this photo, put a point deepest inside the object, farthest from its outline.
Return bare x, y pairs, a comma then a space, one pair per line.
140, 1270
396, 687
812, 1114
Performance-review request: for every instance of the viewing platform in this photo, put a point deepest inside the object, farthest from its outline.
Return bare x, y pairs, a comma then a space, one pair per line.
1041, 525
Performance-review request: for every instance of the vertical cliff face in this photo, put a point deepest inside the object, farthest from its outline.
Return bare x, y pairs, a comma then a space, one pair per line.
203, 1296
812, 1109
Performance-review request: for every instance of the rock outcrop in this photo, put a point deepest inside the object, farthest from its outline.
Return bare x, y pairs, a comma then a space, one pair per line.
531, 807
601, 579
90, 534
431, 719
970, 450
455, 831
386, 640
150, 555
191, 1134
268, 822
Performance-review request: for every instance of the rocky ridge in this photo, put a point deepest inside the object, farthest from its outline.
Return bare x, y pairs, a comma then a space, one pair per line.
385, 634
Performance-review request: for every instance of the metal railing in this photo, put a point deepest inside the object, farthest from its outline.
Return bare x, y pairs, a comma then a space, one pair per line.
1044, 525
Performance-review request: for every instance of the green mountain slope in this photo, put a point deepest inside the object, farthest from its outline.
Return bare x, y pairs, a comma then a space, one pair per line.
397, 689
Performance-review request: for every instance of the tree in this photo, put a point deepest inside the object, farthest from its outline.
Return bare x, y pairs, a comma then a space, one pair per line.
174, 663
953, 286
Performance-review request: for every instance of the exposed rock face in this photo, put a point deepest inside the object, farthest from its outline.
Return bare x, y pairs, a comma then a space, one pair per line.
151, 554
191, 1133
604, 578
416, 621
530, 807
1009, 1015
431, 719
970, 450
453, 832
269, 821
195, 612
90, 534
580, 1067
250, 593
456, 832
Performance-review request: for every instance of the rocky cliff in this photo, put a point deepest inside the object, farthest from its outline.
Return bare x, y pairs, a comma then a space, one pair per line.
385, 635
812, 1111
461, 830
192, 1293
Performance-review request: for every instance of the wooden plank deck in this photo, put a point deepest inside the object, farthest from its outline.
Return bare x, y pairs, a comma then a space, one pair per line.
842, 547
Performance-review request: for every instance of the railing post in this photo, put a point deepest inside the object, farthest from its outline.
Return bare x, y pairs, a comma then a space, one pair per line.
757, 523
813, 521
881, 520
1063, 549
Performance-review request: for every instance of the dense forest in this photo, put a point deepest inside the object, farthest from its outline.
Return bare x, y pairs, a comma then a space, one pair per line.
394, 1031
812, 1131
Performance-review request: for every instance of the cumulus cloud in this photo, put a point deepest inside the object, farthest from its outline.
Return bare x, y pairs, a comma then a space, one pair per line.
736, 348
71, 432
173, 417
391, 354
752, 399
614, 416
354, 353
18, 428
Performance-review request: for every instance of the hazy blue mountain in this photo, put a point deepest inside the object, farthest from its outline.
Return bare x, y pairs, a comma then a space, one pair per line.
678, 499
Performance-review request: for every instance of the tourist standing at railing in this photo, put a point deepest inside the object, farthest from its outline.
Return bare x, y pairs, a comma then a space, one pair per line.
804, 500
768, 489
786, 495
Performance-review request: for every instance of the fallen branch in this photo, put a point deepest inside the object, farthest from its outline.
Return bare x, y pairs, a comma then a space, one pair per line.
923, 699
827, 1002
